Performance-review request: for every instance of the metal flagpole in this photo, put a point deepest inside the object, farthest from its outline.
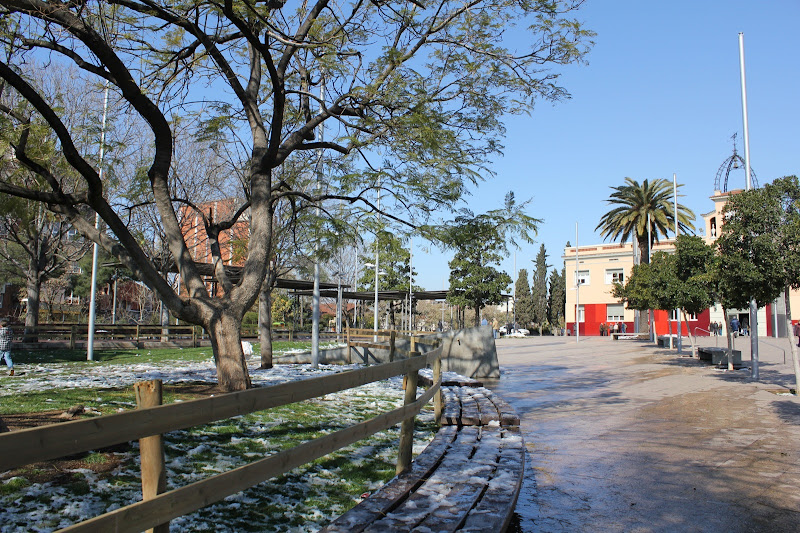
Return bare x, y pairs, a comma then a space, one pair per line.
577, 291
753, 304
675, 198
650, 313
96, 250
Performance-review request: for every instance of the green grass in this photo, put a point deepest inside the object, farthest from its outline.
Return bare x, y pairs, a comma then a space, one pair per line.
106, 401
329, 485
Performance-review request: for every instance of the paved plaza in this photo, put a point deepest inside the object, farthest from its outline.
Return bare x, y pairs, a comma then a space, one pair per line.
624, 436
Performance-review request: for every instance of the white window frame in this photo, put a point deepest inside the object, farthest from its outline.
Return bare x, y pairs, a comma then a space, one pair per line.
615, 275
581, 314
689, 316
583, 277
615, 318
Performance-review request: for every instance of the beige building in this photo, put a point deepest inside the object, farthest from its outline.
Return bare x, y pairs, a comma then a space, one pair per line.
599, 266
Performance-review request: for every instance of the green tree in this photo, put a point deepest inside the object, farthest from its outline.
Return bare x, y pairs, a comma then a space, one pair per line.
759, 248
523, 303
539, 289
414, 94
557, 299
644, 210
479, 242
685, 280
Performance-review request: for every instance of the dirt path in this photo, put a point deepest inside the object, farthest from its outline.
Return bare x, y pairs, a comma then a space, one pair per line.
626, 437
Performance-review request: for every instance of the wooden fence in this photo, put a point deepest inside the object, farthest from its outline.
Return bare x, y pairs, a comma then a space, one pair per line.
369, 339
73, 334
27, 446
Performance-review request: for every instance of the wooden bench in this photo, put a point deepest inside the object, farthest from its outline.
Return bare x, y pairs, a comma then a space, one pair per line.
467, 479
719, 356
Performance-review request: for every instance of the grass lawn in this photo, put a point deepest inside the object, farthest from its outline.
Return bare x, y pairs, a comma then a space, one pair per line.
43, 497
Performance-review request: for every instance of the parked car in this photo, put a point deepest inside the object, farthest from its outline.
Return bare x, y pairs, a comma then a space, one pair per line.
519, 332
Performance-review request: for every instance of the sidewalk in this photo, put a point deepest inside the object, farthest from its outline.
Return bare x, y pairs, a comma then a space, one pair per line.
624, 436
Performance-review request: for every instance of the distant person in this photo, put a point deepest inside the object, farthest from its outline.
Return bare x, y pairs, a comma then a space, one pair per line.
6, 336
484, 322
735, 326
440, 326
797, 332
623, 327
495, 328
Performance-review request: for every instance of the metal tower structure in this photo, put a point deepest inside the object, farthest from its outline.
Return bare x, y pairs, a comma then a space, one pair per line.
734, 162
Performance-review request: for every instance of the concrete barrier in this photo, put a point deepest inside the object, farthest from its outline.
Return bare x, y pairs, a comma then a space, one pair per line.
470, 352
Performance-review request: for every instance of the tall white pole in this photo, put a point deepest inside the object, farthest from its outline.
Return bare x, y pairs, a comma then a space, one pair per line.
377, 255
410, 281
675, 198
650, 313
753, 304
315, 298
96, 248
577, 291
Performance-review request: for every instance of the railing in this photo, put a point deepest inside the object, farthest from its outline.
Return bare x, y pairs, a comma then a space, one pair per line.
23, 447
716, 337
360, 338
136, 333
72, 334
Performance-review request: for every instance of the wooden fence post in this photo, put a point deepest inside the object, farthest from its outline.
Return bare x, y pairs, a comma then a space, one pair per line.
73, 334
137, 335
349, 348
407, 427
391, 345
437, 398
151, 449
194, 336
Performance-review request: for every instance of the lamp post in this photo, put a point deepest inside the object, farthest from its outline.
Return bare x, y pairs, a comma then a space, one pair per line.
377, 273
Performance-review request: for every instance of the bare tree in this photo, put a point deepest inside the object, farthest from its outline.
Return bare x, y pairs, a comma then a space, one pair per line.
412, 96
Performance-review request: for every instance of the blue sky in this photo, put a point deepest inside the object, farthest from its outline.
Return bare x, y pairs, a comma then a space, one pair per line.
660, 95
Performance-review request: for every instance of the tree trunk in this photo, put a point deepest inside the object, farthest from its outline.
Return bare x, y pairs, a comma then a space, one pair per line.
691, 337
225, 333
265, 327
33, 288
164, 323
729, 335
790, 334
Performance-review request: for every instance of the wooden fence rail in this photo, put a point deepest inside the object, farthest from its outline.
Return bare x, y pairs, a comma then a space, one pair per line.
137, 333
23, 447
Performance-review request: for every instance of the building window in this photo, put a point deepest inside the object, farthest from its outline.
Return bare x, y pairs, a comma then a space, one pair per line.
615, 312
583, 277
615, 275
581, 314
674, 316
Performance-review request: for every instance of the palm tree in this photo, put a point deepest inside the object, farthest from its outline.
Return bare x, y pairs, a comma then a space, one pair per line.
635, 202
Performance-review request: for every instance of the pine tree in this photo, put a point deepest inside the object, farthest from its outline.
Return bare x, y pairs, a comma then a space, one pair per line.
523, 304
539, 289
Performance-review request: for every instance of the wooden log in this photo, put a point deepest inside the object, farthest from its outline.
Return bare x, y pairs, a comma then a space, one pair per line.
151, 449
